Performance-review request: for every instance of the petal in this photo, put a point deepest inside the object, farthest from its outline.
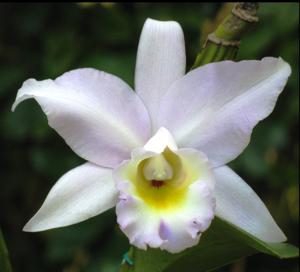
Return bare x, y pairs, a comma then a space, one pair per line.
170, 217
160, 141
183, 229
215, 107
137, 222
238, 204
172, 231
81, 193
97, 114
160, 61
197, 161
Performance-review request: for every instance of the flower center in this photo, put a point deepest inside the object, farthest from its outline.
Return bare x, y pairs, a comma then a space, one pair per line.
157, 183
157, 170
161, 180
160, 174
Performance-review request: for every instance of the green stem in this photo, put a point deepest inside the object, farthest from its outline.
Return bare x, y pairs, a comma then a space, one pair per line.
4, 260
127, 264
221, 54
225, 40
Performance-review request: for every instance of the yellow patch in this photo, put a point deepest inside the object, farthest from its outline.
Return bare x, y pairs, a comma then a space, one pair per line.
166, 195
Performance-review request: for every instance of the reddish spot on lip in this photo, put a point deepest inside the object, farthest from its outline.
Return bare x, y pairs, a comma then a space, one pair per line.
157, 183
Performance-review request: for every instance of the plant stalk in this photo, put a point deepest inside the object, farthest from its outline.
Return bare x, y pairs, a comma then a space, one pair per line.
223, 43
4, 259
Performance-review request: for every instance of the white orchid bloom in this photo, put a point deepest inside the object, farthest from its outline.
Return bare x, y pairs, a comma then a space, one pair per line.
159, 154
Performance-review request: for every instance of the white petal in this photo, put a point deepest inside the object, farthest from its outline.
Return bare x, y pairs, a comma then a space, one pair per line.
172, 231
96, 113
183, 229
238, 204
138, 223
197, 162
215, 107
161, 140
160, 61
81, 193
175, 220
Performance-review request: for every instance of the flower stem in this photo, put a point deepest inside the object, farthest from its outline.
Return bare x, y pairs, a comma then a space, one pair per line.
4, 260
127, 264
223, 43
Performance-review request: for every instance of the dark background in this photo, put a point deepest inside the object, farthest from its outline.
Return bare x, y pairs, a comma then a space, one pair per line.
46, 40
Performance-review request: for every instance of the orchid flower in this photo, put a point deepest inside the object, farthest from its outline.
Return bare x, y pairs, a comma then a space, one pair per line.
159, 154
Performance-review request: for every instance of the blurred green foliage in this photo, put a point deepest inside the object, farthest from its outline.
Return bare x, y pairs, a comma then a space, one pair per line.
45, 40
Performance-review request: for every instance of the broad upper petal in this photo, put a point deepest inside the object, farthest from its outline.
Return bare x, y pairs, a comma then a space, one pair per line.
215, 107
160, 61
96, 113
238, 204
81, 193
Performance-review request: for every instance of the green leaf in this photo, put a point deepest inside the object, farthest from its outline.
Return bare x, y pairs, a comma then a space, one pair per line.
4, 261
221, 244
